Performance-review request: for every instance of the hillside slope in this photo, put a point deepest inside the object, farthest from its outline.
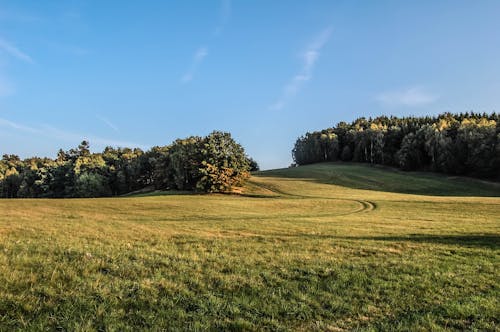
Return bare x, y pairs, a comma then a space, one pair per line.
302, 249
383, 179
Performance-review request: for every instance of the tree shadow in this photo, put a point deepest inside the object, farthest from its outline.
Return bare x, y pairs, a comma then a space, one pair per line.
491, 241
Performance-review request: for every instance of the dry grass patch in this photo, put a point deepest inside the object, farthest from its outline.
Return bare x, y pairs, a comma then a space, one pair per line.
302, 250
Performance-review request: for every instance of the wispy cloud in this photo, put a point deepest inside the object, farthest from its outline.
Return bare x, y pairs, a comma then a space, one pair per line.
17, 126
198, 58
108, 123
12, 50
63, 135
409, 97
224, 15
202, 51
6, 88
309, 59
96, 140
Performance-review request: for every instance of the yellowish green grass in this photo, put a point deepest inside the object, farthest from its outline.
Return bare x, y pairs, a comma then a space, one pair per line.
324, 247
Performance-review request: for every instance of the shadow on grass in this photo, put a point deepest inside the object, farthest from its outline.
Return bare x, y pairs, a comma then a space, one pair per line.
386, 179
487, 241
158, 193
491, 241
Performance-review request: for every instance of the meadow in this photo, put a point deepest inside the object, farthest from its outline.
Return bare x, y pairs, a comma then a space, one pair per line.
326, 247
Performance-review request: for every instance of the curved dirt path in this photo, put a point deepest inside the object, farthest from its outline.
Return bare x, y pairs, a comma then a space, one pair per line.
365, 206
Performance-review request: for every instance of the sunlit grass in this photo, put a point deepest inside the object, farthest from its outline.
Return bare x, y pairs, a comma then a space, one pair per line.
323, 247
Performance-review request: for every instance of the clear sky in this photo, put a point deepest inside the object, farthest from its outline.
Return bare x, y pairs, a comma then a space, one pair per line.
142, 73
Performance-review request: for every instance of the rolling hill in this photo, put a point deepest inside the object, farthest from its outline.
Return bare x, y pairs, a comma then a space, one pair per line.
330, 246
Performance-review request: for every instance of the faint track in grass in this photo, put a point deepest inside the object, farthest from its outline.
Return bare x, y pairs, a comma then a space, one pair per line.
365, 206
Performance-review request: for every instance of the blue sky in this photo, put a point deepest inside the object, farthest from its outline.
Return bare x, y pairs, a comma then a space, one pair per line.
142, 73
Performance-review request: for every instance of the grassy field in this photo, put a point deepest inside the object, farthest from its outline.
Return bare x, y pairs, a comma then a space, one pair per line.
327, 247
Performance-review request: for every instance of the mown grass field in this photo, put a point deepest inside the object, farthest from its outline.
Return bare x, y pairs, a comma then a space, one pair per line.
327, 247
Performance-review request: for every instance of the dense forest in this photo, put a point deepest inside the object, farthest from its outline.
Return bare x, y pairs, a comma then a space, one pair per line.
459, 144
213, 163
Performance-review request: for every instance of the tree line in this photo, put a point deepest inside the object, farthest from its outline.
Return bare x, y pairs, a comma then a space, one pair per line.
459, 144
213, 163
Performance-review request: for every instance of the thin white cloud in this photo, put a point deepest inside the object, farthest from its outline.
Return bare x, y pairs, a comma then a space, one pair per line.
309, 59
224, 15
96, 140
202, 51
17, 126
410, 97
108, 123
198, 58
10, 49
63, 135
6, 88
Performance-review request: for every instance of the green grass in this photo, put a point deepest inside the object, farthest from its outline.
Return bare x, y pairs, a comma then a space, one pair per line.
326, 247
